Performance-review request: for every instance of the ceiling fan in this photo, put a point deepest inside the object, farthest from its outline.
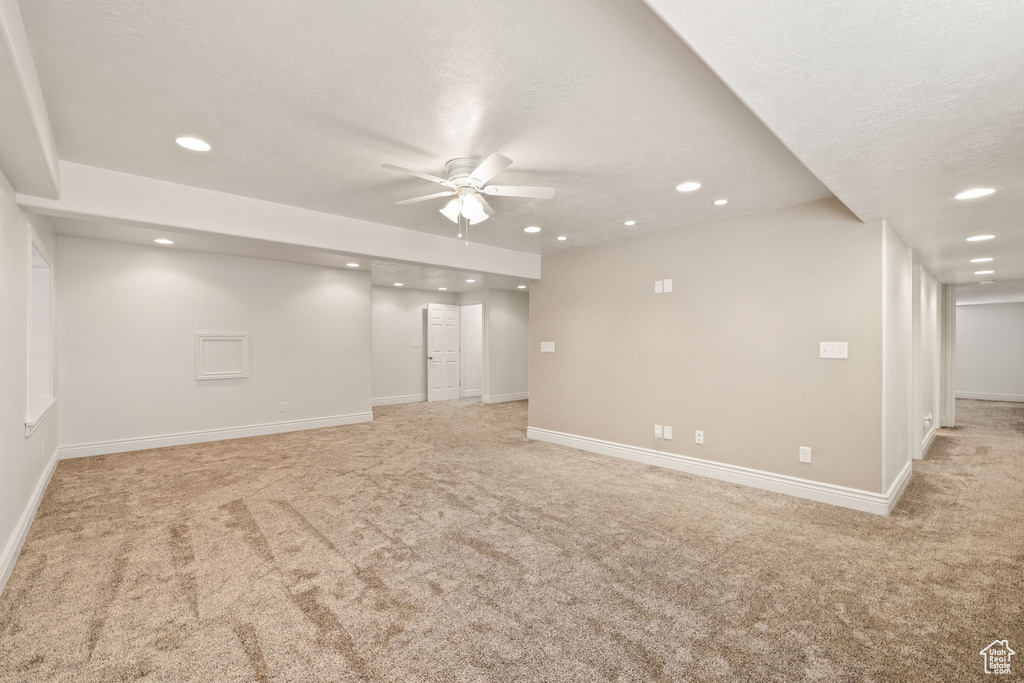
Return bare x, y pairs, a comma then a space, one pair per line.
467, 185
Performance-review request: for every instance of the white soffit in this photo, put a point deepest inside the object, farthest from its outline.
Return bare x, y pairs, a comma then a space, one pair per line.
382, 272
895, 106
104, 196
28, 156
303, 101
995, 293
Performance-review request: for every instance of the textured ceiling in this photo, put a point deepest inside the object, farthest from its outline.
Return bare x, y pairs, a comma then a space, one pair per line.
384, 273
895, 106
303, 102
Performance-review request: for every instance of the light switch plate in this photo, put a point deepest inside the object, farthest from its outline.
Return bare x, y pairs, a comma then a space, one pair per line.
668, 433
415, 343
833, 350
547, 347
667, 287
657, 286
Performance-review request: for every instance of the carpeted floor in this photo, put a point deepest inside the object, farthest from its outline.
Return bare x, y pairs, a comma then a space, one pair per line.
438, 544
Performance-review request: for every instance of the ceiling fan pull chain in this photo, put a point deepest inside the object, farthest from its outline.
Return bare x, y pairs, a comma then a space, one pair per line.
459, 236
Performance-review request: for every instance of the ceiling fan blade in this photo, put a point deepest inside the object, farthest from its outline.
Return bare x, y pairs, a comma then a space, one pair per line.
426, 197
487, 207
425, 176
519, 191
491, 166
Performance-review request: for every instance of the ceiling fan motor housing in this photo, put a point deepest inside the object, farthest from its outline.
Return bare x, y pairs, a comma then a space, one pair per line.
459, 170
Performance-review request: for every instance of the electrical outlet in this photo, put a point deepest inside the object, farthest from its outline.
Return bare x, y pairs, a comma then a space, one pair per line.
805, 454
833, 350
284, 407
657, 431
658, 284
668, 433
699, 438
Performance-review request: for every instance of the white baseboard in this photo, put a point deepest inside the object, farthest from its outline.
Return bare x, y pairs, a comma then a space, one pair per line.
184, 438
1015, 398
927, 443
856, 499
13, 547
502, 398
392, 400
471, 393
896, 489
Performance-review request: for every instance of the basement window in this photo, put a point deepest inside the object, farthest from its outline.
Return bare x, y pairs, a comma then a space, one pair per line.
40, 341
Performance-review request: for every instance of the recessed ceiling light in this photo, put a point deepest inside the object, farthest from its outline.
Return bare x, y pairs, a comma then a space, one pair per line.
163, 240
984, 272
522, 286
981, 260
470, 281
399, 284
194, 144
980, 238
630, 223
443, 289
532, 228
721, 202
688, 186
975, 193
986, 282
352, 265
562, 238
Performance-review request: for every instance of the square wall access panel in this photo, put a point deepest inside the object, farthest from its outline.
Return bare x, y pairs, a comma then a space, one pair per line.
222, 356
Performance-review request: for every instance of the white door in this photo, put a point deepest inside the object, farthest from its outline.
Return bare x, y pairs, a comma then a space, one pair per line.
442, 352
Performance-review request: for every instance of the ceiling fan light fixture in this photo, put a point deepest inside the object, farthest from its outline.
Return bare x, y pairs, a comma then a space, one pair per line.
467, 180
451, 210
471, 206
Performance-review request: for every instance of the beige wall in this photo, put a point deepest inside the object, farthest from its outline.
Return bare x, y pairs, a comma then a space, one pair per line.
127, 316
24, 459
506, 345
733, 350
899, 434
990, 352
399, 368
927, 372
471, 352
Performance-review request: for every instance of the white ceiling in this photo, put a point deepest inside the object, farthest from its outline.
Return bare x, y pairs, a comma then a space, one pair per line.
303, 102
383, 273
895, 106
995, 293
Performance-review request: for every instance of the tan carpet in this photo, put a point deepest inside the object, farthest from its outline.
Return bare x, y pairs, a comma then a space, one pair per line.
438, 544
